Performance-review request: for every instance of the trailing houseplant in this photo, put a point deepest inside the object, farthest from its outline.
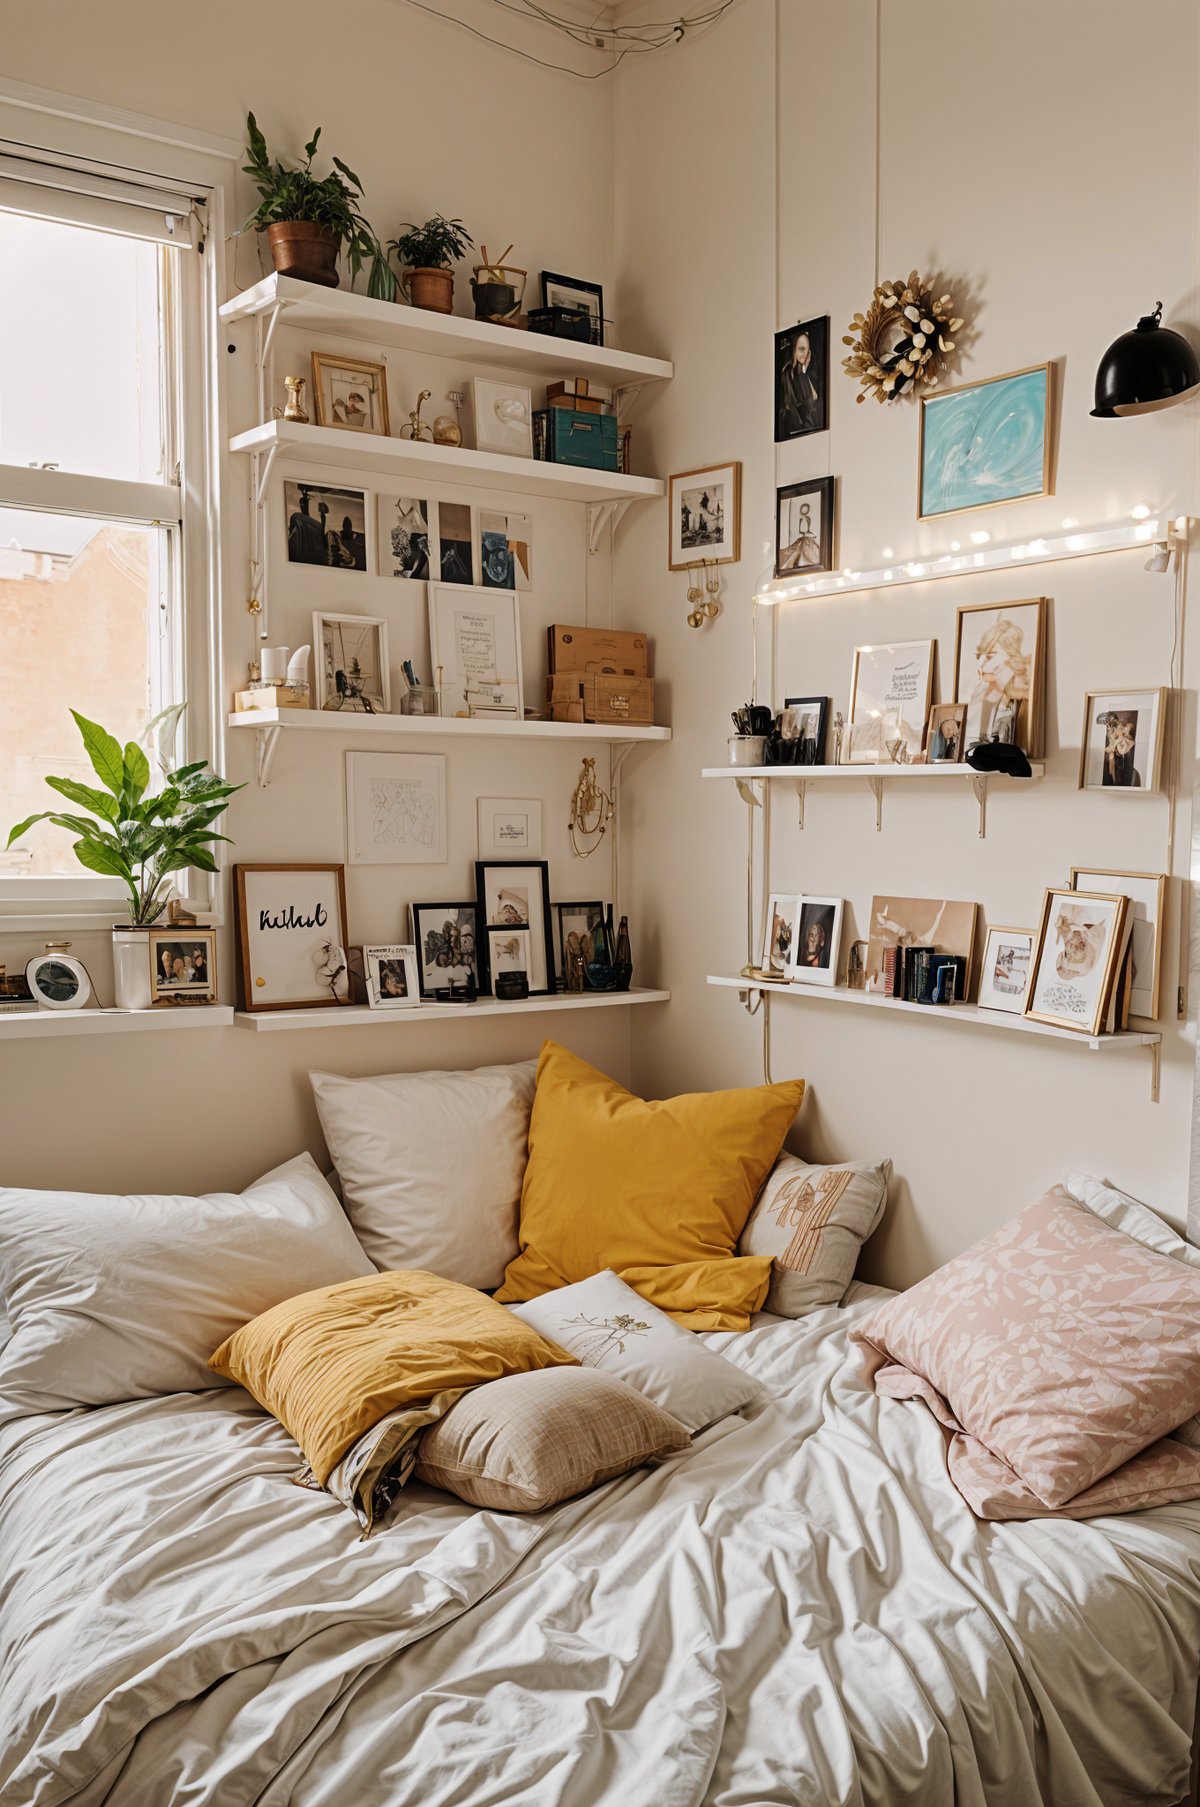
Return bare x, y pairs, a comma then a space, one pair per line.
427, 253
307, 219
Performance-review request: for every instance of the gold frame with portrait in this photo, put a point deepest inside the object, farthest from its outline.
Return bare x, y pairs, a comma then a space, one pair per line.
1154, 782
1159, 881
1037, 704
326, 362
692, 556
1115, 943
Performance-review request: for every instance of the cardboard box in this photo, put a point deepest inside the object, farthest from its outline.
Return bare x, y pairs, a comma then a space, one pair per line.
588, 696
598, 649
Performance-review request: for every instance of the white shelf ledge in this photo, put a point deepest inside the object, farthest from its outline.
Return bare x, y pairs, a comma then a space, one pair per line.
341, 448
182, 1019
420, 727
358, 1016
888, 773
397, 326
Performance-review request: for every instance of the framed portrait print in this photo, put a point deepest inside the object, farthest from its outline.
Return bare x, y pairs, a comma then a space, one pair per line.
579, 296
985, 443
503, 417
818, 940
393, 981
802, 379
183, 965
779, 943
810, 715
350, 393
1079, 943
352, 664
1004, 977
999, 660
515, 894
509, 826
704, 517
575, 924
945, 738
1122, 740
326, 525
889, 700
1146, 893
446, 940
475, 648
407, 531
804, 527
395, 809
291, 936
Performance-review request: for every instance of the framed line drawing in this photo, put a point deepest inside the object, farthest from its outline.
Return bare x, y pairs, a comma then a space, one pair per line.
395, 809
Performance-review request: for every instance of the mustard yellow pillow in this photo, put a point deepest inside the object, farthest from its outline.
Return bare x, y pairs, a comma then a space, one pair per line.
660, 1192
330, 1364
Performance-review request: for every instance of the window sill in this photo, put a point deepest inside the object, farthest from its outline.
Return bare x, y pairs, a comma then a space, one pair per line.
38, 1024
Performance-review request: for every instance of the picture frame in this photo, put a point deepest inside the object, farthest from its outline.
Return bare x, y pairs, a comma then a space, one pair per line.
455, 543
350, 393
475, 649
1005, 972
505, 550
704, 517
579, 296
407, 536
509, 953
446, 939
191, 976
804, 527
395, 809
502, 413
1121, 745
779, 941
890, 689
1146, 894
946, 734
1078, 946
508, 826
327, 525
812, 714
985, 443
516, 894
350, 664
802, 380
817, 948
392, 976
999, 670
574, 919
942, 923
291, 935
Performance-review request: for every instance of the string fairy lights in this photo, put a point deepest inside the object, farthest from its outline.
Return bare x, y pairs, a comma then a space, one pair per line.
619, 41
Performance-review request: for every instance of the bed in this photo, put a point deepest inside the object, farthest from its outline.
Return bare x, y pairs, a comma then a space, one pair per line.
799, 1608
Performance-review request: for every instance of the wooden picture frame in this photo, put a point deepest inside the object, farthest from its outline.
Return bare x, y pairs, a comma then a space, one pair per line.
1119, 775
518, 898
277, 983
797, 558
340, 405
690, 540
1003, 644
338, 642
990, 996
1147, 890
181, 942
1000, 427
1078, 938
946, 729
909, 725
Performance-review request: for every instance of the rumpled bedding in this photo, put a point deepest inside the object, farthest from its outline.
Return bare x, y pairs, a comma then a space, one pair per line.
799, 1609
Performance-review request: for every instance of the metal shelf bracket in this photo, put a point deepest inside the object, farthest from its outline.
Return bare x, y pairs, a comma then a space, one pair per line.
600, 514
876, 786
979, 785
801, 788
265, 741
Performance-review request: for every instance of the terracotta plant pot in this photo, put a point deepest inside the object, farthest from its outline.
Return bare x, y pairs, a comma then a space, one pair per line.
432, 289
303, 249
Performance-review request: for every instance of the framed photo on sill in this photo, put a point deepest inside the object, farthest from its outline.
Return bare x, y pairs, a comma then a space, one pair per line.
290, 923
393, 980
579, 296
445, 937
946, 735
802, 380
1004, 977
475, 648
395, 809
575, 924
999, 669
515, 894
818, 941
804, 527
1079, 942
326, 525
183, 965
985, 443
890, 688
1146, 893
351, 653
1122, 740
704, 517
350, 393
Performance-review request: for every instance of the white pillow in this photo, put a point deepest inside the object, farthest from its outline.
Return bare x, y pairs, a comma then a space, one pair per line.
122, 1298
814, 1220
431, 1166
607, 1325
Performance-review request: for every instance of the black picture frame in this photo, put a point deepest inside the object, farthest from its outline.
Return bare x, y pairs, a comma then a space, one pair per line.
591, 908
802, 397
432, 977
540, 934
550, 278
821, 704
822, 489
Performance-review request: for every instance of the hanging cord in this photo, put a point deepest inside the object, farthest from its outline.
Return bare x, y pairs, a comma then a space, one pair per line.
878, 139
1174, 757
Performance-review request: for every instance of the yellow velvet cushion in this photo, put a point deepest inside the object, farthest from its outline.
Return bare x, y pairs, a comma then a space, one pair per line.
330, 1364
660, 1192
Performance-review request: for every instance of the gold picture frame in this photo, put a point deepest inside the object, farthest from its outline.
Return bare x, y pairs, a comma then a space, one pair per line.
1030, 717
359, 403
1157, 880
687, 545
1079, 946
912, 722
1152, 783
933, 397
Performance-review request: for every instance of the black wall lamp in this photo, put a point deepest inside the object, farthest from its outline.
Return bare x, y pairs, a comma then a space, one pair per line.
1145, 370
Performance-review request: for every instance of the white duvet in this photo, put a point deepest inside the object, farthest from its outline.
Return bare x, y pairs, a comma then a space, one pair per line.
800, 1609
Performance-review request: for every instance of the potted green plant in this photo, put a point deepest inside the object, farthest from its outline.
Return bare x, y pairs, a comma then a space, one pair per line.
308, 219
427, 252
137, 838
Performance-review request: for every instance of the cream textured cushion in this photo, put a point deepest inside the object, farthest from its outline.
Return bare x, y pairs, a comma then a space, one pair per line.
604, 1324
122, 1298
813, 1221
526, 1442
431, 1165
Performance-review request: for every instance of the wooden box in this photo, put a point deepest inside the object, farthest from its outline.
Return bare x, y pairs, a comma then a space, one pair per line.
573, 392
597, 696
597, 649
270, 696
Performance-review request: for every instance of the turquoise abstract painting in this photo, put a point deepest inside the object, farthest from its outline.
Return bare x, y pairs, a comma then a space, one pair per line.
985, 443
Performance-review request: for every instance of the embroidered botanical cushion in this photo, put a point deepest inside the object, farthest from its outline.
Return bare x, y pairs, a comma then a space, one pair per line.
813, 1221
1061, 1344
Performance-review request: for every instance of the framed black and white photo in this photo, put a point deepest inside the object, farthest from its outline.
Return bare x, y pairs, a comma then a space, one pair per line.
445, 937
1004, 976
351, 664
575, 924
807, 725
395, 809
325, 525
804, 527
392, 976
1075, 960
456, 560
350, 393
802, 379
818, 941
183, 965
291, 936
475, 648
509, 826
407, 533
503, 417
505, 550
515, 894
704, 517
1122, 740
1146, 893
579, 296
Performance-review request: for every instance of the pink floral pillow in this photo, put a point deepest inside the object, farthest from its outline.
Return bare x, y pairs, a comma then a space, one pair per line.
1159, 1476
1062, 1345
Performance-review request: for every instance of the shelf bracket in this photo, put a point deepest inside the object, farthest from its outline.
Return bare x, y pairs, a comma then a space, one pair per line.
979, 785
272, 322
264, 752
801, 787
1155, 1070
600, 514
876, 785
264, 477
745, 791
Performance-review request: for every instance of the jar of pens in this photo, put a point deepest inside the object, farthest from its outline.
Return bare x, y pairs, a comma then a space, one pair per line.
793, 737
417, 698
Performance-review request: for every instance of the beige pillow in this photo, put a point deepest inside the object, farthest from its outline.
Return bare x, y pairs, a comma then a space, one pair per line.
813, 1221
526, 1442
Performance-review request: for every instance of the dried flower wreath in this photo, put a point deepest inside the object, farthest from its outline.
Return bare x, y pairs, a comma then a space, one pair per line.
902, 341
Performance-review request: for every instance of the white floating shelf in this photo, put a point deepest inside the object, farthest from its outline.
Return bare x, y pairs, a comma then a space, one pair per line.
181, 1019
397, 326
889, 773
421, 727
357, 1016
414, 461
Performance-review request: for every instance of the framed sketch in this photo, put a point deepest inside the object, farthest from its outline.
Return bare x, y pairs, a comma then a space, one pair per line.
802, 380
985, 443
407, 533
350, 393
509, 826
804, 527
1146, 893
455, 563
515, 894
444, 935
1004, 977
999, 661
575, 924
935, 922
505, 550
818, 940
351, 654
579, 296
183, 965
1079, 942
509, 951
393, 981
1122, 740
291, 936
503, 416
475, 648
810, 715
705, 517
395, 809
326, 525
945, 737
779, 942
889, 700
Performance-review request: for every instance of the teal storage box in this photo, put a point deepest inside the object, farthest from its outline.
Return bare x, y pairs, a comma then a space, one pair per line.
582, 439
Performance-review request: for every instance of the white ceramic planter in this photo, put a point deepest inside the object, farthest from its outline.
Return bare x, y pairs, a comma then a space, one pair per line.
131, 968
